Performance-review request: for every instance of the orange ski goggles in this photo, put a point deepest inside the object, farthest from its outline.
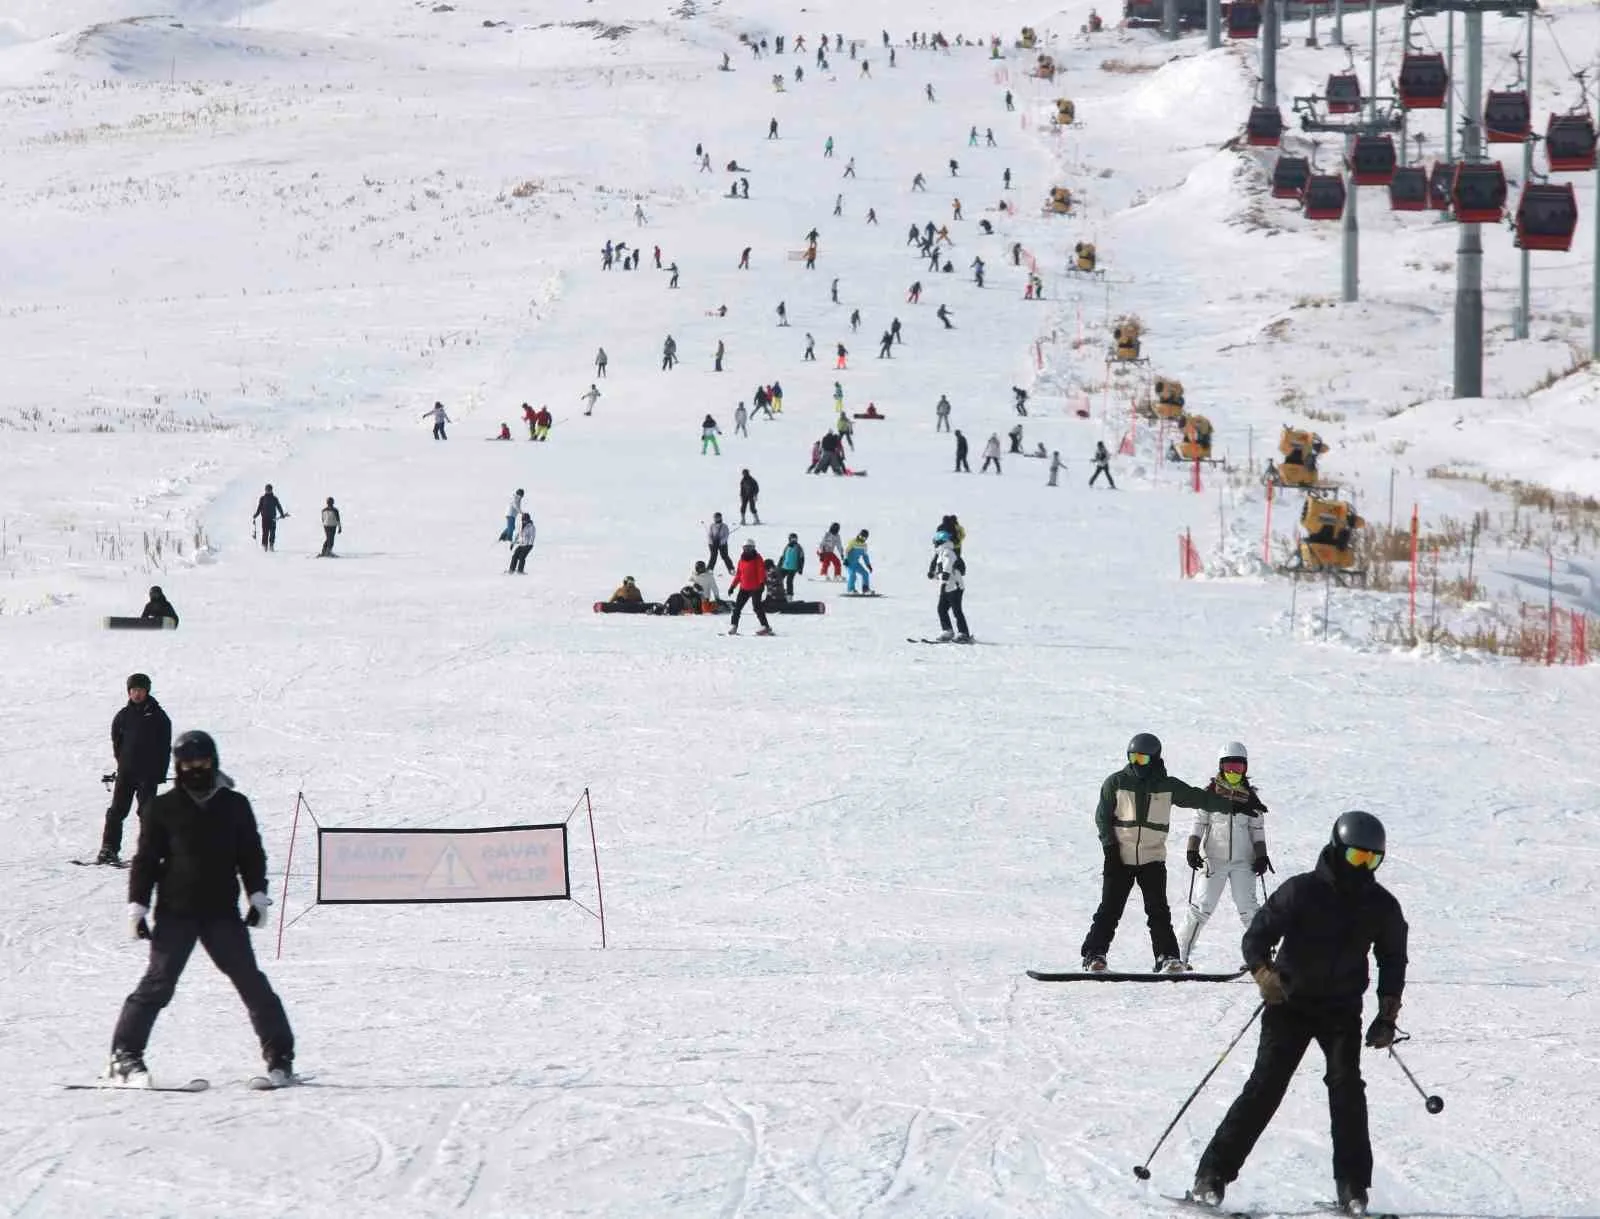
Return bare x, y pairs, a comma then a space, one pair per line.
1139, 759
1357, 857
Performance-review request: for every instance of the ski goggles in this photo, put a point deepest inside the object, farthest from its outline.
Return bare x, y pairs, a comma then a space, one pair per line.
1358, 857
1139, 759
1234, 767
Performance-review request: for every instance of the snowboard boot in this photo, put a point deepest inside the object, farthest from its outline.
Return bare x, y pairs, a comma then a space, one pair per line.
963, 638
108, 855
1169, 965
1207, 1190
127, 1069
734, 629
1352, 1198
280, 1070
1094, 963
766, 630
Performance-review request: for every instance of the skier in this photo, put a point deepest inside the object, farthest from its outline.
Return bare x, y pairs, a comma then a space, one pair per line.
198, 842
1131, 819
950, 569
439, 420
872, 215
791, 563
827, 147
717, 542
839, 356
748, 490
850, 168
955, 213
846, 429
513, 515
600, 362
811, 348
158, 608
531, 418
716, 360
772, 130
526, 534
709, 431
828, 551
838, 398
783, 314
961, 454
838, 210
1007, 177
141, 735
833, 291
955, 167
919, 183
941, 414
669, 353
977, 271
972, 138
1235, 845
894, 329
657, 253
332, 525
1010, 103
886, 346
1102, 465
750, 578
858, 563
928, 89
943, 314
991, 453
269, 511
1323, 923
591, 396
914, 295
744, 259
542, 423
988, 138
855, 320
672, 270
1056, 465
638, 214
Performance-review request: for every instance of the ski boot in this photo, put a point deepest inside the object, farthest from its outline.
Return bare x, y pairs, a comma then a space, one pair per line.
127, 1069
1352, 1198
1207, 1191
946, 636
963, 638
280, 1070
734, 629
1094, 963
766, 630
108, 855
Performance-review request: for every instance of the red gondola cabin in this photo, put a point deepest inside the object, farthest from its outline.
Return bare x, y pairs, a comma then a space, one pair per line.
1424, 81
1569, 143
1324, 197
1479, 192
1507, 117
1547, 216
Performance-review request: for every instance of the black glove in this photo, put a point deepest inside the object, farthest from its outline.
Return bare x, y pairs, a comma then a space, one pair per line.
1195, 861
1262, 865
1380, 1033
1255, 805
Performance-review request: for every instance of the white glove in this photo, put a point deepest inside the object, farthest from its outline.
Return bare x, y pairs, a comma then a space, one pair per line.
257, 914
138, 917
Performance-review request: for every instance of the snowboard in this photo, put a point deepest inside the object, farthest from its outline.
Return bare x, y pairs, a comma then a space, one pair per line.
850, 594
90, 863
1109, 975
140, 624
264, 1083
105, 1085
941, 642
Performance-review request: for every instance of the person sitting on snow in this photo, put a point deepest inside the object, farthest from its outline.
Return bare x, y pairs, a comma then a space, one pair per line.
627, 591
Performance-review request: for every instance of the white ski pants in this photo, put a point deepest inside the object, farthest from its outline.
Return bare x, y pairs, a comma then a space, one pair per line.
1241, 876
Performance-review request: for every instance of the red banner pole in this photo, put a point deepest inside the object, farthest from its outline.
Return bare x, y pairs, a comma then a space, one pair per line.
1413, 569
283, 889
595, 847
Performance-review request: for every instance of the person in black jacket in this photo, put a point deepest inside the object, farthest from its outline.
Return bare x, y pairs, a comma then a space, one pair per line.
158, 606
1324, 923
141, 735
270, 511
196, 844
749, 488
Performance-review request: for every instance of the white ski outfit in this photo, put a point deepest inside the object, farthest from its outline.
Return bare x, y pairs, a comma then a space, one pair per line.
1230, 844
706, 583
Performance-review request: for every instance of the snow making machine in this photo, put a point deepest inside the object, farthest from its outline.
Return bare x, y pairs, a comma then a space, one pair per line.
1328, 547
1300, 450
1169, 398
1195, 442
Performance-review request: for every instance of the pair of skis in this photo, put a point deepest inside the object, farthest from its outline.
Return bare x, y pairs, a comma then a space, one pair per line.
1191, 1204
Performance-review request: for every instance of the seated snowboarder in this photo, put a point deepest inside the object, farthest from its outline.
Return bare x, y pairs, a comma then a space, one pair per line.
774, 595
158, 606
627, 591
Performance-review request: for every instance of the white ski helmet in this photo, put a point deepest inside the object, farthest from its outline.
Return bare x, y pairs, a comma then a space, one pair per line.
1234, 749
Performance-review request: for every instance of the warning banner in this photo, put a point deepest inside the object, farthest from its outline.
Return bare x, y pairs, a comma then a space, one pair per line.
516, 863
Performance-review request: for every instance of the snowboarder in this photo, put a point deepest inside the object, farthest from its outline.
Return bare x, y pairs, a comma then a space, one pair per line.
849, 169
1015, 436
741, 418
600, 363
196, 844
744, 259
1235, 845
526, 535
811, 348
1007, 179
928, 89
1056, 465
858, 563
894, 329
783, 314
1010, 103
772, 130
716, 360
1102, 465
542, 423
627, 593
590, 397
977, 272
269, 511
439, 420
672, 270
791, 563
141, 735
872, 215
961, 454
950, 569
943, 314
638, 214
919, 183
669, 353
955, 168
846, 429
991, 453
705, 584
914, 294
972, 138
886, 346
988, 138
717, 541
749, 488
941, 414
833, 290
158, 608
827, 147
332, 526
1021, 403
955, 213
855, 320
709, 431
1132, 820
751, 579
828, 551
513, 515
1323, 924
839, 356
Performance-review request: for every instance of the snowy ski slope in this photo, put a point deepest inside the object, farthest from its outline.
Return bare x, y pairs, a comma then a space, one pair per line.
253, 242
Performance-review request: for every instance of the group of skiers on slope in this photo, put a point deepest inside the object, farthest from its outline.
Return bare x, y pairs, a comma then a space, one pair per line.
991, 452
197, 845
269, 511
1306, 948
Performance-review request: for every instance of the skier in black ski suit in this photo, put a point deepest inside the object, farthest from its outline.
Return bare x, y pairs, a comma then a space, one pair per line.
141, 735
196, 844
749, 488
270, 511
1323, 923
1132, 819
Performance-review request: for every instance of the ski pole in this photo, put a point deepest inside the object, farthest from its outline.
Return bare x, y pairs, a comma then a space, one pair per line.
1142, 1171
1433, 1104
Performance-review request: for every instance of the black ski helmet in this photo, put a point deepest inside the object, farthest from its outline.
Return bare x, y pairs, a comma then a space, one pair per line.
1146, 742
195, 746
1360, 830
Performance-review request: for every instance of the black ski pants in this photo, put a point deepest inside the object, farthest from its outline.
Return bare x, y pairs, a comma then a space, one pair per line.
1116, 883
961, 462
1098, 471
269, 533
950, 604
788, 583
754, 597
987, 462
719, 550
519, 559
747, 503
227, 943
1287, 1030
123, 795
327, 538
